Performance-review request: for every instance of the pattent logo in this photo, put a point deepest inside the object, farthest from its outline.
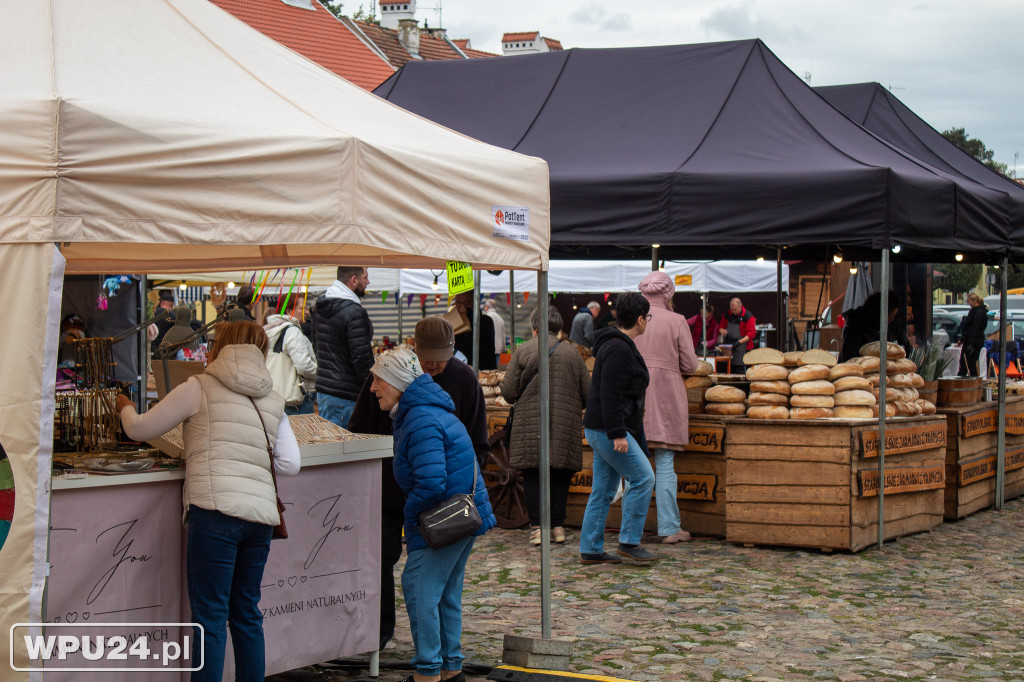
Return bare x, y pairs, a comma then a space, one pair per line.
499, 218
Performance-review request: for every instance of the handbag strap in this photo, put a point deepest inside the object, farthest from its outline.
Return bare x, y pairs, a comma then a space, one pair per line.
270, 448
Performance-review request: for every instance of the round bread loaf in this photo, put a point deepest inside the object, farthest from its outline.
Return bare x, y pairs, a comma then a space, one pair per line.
892, 395
845, 369
724, 394
816, 387
874, 349
926, 406
766, 372
725, 408
899, 381
810, 413
872, 378
809, 373
852, 383
817, 356
854, 397
906, 409
917, 380
698, 382
767, 399
770, 387
890, 410
868, 363
812, 401
768, 412
905, 366
704, 368
853, 411
911, 394
792, 358
763, 356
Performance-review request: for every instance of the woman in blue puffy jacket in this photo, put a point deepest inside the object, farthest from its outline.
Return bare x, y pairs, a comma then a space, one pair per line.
434, 460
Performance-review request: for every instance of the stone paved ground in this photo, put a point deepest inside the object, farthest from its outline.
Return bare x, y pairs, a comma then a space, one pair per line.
944, 605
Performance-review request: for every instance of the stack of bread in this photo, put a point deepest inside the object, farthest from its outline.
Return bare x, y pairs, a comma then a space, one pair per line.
490, 379
853, 398
725, 400
769, 387
810, 389
902, 380
696, 384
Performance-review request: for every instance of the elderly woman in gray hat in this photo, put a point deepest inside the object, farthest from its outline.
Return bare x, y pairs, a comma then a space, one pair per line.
433, 461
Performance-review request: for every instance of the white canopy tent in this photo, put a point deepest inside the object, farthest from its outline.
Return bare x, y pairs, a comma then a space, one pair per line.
167, 135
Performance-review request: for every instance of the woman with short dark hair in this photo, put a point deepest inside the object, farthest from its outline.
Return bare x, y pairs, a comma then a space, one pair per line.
614, 428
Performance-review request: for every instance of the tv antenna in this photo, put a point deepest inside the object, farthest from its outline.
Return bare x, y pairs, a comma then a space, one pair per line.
807, 77
439, 10
890, 86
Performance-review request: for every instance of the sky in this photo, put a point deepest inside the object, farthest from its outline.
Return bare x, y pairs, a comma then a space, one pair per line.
955, 63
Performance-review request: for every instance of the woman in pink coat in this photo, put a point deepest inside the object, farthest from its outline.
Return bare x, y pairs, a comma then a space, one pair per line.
667, 347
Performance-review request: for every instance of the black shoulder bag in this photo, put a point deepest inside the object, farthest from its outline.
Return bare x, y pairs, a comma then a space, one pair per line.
454, 519
507, 438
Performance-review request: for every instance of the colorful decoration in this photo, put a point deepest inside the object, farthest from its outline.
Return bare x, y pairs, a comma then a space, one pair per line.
409, 301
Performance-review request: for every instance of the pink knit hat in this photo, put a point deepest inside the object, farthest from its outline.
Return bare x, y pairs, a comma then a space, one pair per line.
657, 285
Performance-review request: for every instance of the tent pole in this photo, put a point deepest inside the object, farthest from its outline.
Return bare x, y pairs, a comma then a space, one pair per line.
780, 336
143, 342
654, 258
1001, 432
398, 302
511, 310
704, 323
476, 322
883, 360
543, 387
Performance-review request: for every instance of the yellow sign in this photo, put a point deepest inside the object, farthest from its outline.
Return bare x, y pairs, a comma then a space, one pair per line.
684, 280
460, 277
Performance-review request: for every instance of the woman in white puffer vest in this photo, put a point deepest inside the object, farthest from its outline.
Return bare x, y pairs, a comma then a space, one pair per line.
229, 413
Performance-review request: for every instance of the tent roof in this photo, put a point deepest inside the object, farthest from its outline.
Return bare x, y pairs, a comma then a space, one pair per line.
878, 110
703, 149
168, 135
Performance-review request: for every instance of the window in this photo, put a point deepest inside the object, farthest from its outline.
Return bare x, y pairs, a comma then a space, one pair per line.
811, 296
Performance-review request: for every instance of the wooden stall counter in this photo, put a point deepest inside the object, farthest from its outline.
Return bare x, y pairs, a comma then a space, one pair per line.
971, 455
814, 483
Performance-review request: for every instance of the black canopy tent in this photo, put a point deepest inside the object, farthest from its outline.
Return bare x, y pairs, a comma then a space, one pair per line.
878, 110
714, 150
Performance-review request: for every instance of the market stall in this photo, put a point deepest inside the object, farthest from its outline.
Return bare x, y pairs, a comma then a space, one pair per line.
169, 136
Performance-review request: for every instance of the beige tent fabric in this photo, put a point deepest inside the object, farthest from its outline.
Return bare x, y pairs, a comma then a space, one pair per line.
168, 136
33, 273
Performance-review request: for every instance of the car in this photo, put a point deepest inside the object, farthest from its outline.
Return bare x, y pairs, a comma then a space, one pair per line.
948, 323
1014, 302
952, 308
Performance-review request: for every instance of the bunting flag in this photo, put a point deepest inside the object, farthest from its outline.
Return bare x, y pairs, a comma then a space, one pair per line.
437, 300
423, 300
606, 295
409, 302
526, 297
383, 297
508, 299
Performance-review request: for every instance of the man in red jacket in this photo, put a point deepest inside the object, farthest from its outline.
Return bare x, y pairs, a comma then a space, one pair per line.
737, 329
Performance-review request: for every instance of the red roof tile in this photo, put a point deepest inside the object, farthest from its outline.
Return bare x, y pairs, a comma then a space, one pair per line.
553, 44
478, 54
526, 36
461, 43
317, 35
431, 49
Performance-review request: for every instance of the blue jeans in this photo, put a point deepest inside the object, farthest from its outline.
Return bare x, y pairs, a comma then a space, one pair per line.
305, 407
225, 564
335, 409
432, 587
665, 489
609, 466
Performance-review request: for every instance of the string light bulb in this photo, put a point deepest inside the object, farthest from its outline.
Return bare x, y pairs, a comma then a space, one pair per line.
760, 259
231, 285
853, 269
434, 284
838, 258
657, 246
959, 257
896, 249
183, 286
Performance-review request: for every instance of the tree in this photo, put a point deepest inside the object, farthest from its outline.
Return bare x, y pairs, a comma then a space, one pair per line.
333, 6
960, 278
975, 148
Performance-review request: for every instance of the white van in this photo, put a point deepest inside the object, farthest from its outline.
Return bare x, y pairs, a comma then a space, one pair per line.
1013, 302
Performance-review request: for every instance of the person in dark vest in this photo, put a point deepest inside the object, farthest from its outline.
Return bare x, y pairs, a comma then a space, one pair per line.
737, 329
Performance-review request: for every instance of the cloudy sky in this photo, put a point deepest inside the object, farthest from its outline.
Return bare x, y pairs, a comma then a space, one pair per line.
955, 63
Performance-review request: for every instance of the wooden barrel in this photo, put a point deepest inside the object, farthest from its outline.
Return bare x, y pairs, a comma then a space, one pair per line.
959, 391
930, 391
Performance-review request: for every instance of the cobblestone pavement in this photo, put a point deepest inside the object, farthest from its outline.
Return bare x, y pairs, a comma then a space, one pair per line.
943, 605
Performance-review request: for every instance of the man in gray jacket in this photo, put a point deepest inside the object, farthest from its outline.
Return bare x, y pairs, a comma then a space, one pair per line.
582, 333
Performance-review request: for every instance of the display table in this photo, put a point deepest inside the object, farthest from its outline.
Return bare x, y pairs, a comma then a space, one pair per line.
117, 554
971, 455
814, 483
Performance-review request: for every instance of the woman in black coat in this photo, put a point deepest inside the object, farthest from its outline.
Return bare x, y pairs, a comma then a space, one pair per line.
972, 335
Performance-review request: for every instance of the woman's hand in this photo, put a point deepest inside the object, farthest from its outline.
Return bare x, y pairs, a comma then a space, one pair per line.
122, 402
620, 445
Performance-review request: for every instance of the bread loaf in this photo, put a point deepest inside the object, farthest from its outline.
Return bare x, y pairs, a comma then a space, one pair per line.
853, 411
845, 369
892, 395
725, 408
851, 384
872, 379
817, 356
855, 397
926, 407
868, 363
792, 358
767, 412
816, 387
766, 372
911, 394
808, 373
899, 381
811, 401
810, 413
763, 356
724, 394
698, 382
874, 349
906, 409
890, 410
704, 368
767, 399
904, 366
770, 387
916, 380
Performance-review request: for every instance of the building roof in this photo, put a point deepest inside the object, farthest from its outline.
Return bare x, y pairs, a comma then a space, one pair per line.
524, 35
317, 35
461, 43
553, 44
431, 48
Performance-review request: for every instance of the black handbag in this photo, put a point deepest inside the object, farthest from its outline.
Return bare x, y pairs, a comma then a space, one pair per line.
507, 438
454, 519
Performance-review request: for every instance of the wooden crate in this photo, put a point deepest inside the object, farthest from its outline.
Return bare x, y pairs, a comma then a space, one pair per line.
813, 483
971, 456
700, 474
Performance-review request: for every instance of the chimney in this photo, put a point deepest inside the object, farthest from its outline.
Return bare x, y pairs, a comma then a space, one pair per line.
409, 35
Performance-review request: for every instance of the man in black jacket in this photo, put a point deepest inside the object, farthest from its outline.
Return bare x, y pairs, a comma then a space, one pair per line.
343, 335
435, 343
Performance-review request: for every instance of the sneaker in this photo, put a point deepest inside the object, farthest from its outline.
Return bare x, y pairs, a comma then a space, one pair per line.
558, 534
535, 536
636, 553
603, 558
681, 536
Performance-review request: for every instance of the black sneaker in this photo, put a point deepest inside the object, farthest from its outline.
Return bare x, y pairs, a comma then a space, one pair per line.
602, 558
636, 553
